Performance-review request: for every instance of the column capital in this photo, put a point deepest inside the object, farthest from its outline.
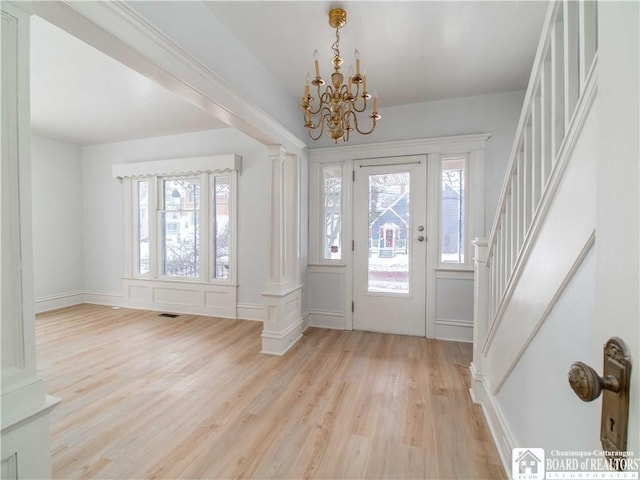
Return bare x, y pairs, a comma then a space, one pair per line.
277, 151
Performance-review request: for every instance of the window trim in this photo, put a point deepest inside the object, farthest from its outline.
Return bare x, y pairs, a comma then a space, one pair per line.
205, 168
160, 210
323, 214
467, 264
316, 213
135, 254
233, 227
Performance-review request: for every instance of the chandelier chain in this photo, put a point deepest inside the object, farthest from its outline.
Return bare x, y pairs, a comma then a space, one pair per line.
336, 45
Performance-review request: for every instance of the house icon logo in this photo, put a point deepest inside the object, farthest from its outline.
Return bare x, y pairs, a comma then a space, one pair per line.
527, 464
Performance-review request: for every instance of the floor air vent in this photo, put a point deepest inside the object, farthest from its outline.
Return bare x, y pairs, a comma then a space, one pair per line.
169, 315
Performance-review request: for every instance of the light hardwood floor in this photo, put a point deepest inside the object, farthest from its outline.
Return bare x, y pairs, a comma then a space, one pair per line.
151, 397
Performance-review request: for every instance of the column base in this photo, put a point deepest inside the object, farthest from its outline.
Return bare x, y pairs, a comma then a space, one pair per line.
25, 436
283, 322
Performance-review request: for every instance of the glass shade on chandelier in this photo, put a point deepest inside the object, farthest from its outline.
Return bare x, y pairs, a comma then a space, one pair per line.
338, 104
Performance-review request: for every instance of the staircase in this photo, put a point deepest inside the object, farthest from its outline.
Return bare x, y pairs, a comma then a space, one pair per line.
545, 222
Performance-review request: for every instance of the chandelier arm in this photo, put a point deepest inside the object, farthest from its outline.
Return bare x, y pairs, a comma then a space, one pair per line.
315, 112
355, 124
357, 94
323, 99
326, 96
359, 110
321, 125
320, 93
324, 113
362, 98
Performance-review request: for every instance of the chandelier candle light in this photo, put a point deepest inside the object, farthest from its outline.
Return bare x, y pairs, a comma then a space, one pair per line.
339, 105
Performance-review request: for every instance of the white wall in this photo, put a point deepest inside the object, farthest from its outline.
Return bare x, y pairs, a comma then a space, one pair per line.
103, 242
58, 235
496, 114
536, 401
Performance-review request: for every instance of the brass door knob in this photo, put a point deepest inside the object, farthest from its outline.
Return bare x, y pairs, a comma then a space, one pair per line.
587, 384
615, 382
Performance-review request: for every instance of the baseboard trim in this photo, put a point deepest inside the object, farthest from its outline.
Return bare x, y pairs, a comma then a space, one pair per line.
480, 393
250, 311
454, 330
324, 319
54, 302
101, 298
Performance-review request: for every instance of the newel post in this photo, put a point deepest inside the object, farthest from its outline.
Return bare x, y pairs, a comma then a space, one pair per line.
481, 292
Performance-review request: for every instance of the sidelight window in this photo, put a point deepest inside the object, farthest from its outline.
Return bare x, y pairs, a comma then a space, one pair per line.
332, 195
453, 210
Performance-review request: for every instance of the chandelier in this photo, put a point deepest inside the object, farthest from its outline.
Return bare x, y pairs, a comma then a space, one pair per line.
338, 106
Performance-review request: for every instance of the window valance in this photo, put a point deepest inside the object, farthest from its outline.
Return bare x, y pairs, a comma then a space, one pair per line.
180, 166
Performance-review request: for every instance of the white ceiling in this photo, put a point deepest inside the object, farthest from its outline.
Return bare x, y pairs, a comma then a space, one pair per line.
412, 51
82, 96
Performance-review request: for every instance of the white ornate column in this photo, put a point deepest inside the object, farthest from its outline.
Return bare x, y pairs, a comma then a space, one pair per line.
283, 324
481, 286
25, 406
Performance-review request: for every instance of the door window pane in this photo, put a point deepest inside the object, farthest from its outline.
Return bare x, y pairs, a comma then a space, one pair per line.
181, 227
222, 234
142, 255
332, 185
389, 222
452, 211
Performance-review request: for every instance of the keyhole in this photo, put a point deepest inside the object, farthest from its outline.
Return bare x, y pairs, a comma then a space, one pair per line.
612, 423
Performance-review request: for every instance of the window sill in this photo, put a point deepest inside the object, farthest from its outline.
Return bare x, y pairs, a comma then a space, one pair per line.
185, 281
341, 265
463, 269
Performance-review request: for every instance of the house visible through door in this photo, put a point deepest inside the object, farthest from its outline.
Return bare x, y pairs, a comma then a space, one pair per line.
390, 245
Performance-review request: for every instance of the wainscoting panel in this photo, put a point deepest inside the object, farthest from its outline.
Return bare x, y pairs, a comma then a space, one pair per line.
454, 305
216, 300
327, 294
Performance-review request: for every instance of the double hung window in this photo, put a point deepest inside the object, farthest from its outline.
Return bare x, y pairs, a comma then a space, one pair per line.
181, 227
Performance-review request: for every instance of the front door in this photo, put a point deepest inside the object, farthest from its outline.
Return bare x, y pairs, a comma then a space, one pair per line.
390, 245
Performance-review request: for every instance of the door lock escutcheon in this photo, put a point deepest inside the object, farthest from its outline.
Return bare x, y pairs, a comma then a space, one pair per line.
614, 385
